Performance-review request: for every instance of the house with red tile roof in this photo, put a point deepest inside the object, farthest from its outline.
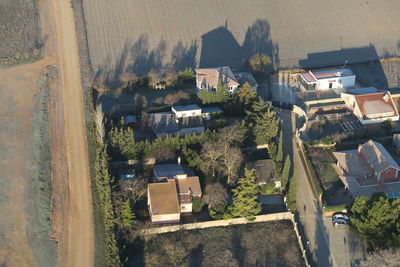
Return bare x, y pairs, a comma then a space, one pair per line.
208, 79
327, 79
371, 105
368, 170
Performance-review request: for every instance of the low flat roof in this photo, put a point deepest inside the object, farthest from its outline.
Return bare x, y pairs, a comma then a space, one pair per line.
168, 170
186, 107
211, 110
333, 73
363, 91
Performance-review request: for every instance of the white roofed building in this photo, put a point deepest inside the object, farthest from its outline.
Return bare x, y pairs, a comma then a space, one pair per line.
327, 79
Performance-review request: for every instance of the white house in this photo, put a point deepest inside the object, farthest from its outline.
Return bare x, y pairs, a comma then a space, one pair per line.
327, 79
186, 111
371, 105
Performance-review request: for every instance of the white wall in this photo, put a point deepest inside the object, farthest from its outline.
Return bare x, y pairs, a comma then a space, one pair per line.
337, 82
187, 113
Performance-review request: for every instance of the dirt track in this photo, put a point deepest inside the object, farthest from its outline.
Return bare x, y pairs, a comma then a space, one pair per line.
80, 221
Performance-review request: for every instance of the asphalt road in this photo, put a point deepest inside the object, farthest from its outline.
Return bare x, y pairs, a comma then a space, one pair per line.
329, 246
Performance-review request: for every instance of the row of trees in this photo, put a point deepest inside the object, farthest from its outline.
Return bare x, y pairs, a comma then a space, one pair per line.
103, 181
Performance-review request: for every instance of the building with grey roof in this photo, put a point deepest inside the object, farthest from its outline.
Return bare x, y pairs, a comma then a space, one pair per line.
368, 170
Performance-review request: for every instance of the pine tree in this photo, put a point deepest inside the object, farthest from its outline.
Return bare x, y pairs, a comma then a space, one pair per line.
279, 155
122, 143
245, 203
246, 95
285, 173
291, 195
266, 127
127, 215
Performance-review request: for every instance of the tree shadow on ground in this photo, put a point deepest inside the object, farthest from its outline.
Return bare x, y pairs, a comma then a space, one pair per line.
220, 47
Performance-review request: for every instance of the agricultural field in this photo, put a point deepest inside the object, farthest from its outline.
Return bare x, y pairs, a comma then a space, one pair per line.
25, 170
136, 35
238, 245
19, 31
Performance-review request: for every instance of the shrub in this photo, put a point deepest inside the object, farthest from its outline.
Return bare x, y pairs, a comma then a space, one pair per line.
268, 189
197, 204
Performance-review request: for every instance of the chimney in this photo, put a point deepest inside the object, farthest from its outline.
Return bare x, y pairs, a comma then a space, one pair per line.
179, 160
386, 97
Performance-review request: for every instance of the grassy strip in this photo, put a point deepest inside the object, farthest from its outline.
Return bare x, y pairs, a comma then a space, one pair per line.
335, 208
40, 210
98, 214
312, 176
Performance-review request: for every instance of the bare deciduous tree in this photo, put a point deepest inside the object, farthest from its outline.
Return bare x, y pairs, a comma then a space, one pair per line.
383, 258
214, 195
211, 153
136, 188
232, 160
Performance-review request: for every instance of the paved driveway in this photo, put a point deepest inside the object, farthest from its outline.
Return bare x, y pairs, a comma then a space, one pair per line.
329, 246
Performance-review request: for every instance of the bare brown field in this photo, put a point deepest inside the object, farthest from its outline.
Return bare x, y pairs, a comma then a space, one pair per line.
138, 35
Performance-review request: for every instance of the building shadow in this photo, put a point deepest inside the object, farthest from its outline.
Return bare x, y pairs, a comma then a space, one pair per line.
219, 47
364, 62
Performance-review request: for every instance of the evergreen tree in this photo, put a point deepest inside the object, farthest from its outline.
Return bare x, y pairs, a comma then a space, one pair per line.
291, 195
279, 155
246, 95
377, 219
285, 173
122, 143
266, 127
127, 215
220, 96
272, 150
245, 203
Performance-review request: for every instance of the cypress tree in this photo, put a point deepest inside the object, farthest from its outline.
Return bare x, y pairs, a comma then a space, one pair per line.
285, 173
127, 215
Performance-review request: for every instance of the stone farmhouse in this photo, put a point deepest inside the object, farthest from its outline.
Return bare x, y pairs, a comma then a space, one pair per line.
368, 170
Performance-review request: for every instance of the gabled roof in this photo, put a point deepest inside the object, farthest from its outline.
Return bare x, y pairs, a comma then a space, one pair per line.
353, 163
377, 156
164, 122
187, 184
245, 77
209, 77
191, 122
163, 198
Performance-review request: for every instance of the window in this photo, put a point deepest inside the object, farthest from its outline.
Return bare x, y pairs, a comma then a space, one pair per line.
330, 85
193, 113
